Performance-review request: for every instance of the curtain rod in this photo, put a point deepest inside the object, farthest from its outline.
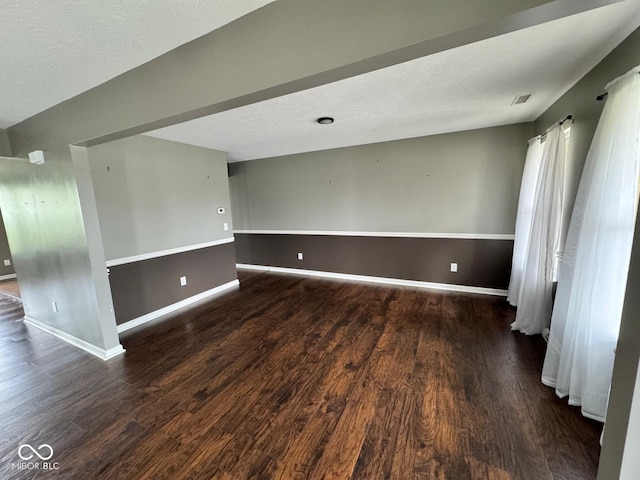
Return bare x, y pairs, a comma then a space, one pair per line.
602, 96
567, 118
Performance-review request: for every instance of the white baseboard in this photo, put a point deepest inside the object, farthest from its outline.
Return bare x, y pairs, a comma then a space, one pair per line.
7, 277
388, 281
174, 307
343, 233
101, 353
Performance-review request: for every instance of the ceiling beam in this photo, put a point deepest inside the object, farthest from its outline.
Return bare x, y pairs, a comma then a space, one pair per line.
285, 47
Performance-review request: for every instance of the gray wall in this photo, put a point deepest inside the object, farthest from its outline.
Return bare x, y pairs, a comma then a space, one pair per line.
457, 183
145, 286
5, 253
270, 52
466, 182
47, 235
631, 460
580, 101
5, 147
154, 195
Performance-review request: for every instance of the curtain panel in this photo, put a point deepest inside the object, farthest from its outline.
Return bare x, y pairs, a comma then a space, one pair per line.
536, 283
524, 217
593, 272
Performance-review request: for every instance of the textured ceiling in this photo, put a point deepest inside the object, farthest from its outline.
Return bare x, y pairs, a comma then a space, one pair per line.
52, 50
460, 89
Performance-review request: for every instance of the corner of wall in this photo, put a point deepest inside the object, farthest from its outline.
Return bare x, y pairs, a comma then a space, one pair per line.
5, 145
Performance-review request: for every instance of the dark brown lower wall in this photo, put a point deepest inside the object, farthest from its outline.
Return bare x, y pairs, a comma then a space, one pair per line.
142, 287
481, 263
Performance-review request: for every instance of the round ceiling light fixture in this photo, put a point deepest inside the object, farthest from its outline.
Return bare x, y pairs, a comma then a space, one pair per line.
325, 120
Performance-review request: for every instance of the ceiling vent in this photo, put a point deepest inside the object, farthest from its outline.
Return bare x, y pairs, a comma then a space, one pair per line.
521, 98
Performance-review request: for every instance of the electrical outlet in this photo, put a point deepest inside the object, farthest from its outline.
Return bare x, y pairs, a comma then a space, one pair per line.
454, 267
7, 262
183, 281
225, 226
54, 307
300, 256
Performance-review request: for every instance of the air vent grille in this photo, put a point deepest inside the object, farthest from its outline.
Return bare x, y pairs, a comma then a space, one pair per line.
521, 98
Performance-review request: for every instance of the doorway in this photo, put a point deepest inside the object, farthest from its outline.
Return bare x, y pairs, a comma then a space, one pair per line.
8, 280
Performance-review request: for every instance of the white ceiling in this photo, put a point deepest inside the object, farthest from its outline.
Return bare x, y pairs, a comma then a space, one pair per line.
52, 50
42, 41
460, 89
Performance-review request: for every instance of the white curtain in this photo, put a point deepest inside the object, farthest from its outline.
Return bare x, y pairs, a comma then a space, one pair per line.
524, 217
535, 296
593, 272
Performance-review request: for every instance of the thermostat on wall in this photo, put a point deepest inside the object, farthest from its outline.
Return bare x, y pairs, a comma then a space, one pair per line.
221, 210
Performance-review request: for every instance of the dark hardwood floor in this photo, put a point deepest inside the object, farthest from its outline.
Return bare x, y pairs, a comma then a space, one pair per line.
292, 378
10, 287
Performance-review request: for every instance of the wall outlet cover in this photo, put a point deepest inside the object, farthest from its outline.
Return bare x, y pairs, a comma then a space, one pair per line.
300, 256
225, 226
454, 267
7, 262
183, 281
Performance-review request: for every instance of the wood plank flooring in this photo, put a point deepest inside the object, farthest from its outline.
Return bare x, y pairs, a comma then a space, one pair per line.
293, 378
10, 287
